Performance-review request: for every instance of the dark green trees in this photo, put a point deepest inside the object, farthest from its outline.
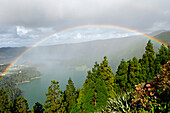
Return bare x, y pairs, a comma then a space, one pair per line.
21, 105
58, 101
134, 76
94, 94
101, 94
128, 74
38, 108
161, 58
122, 75
70, 95
3, 101
89, 99
147, 62
108, 76
52, 103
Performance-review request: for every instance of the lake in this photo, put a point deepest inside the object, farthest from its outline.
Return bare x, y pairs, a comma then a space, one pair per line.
35, 90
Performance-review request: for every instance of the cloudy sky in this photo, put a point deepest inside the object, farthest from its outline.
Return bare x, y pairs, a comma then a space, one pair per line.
24, 22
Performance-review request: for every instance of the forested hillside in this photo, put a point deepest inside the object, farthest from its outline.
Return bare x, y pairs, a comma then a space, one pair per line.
164, 37
139, 85
16, 77
7, 54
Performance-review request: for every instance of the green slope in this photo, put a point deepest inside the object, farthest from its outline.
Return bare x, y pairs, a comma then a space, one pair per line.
164, 37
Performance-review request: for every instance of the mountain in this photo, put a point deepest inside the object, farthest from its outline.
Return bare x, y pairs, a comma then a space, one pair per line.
83, 54
164, 37
86, 53
7, 54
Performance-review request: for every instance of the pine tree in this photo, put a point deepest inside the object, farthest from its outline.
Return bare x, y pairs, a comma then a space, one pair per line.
89, 99
3, 101
70, 95
10, 107
161, 58
134, 76
95, 96
122, 75
38, 108
101, 94
78, 107
21, 105
147, 62
52, 103
108, 76
169, 52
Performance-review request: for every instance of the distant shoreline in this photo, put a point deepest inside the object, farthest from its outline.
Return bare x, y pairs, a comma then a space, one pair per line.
28, 80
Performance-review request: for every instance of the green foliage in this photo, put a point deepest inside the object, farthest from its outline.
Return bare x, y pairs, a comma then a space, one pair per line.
168, 51
94, 93
21, 105
38, 108
10, 107
12, 80
121, 103
70, 95
52, 103
3, 101
11, 89
122, 75
25, 74
134, 76
108, 76
147, 62
89, 98
161, 58
101, 94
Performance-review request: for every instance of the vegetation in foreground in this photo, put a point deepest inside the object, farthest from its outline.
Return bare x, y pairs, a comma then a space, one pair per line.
138, 86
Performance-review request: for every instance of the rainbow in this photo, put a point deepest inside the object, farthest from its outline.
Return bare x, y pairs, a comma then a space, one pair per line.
74, 28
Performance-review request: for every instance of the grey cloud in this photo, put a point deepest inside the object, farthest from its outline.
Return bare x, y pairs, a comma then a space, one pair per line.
64, 13
44, 17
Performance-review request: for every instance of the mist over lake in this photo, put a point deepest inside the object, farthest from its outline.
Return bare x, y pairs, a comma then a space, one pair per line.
35, 90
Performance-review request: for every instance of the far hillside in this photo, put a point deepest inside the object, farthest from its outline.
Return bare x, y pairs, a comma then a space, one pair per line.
164, 37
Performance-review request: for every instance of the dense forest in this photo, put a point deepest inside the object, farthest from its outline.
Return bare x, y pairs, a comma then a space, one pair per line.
139, 85
10, 82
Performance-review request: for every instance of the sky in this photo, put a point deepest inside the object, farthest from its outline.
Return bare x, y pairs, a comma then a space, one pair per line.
24, 22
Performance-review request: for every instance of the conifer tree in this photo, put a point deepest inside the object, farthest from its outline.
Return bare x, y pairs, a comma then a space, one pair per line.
38, 108
78, 108
70, 95
10, 107
122, 75
89, 99
21, 105
169, 52
3, 101
108, 76
147, 61
101, 94
52, 103
161, 58
134, 76
95, 96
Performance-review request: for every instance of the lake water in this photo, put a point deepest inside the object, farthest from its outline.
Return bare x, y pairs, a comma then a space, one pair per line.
35, 90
